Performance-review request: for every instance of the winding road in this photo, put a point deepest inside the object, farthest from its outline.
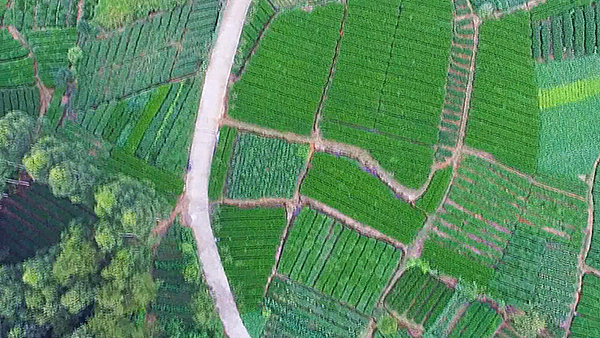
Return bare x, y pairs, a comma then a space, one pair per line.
211, 110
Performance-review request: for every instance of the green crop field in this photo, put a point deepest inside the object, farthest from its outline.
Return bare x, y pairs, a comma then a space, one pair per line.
586, 321
569, 142
298, 311
264, 167
380, 168
504, 116
322, 253
370, 103
593, 257
248, 240
340, 182
297, 43
573, 33
420, 297
485, 206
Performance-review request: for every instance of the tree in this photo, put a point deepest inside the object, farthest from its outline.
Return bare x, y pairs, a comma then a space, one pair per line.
16, 135
106, 240
204, 310
528, 324
11, 294
77, 298
130, 206
78, 258
387, 325
65, 167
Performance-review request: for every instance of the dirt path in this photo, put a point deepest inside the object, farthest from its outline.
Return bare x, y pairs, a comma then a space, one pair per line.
197, 214
585, 248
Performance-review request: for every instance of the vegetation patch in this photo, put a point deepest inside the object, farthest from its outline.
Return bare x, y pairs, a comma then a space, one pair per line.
504, 118
283, 82
419, 296
323, 254
569, 139
248, 240
340, 183
220, 162
297, 311
586, 318
264, 167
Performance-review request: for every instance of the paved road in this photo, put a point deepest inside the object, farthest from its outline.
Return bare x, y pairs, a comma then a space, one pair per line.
211, 109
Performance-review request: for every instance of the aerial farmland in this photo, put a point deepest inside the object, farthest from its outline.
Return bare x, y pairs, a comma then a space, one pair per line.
299, 168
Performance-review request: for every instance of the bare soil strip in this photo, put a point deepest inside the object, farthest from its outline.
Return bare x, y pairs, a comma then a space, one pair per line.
197, 213
259, 203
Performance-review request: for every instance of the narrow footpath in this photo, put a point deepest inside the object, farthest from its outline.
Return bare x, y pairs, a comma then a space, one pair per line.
211, 110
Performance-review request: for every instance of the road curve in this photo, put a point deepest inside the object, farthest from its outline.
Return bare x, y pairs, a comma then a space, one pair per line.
207, 123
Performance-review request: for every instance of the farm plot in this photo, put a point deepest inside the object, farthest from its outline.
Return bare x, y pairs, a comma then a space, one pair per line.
259, 16
569, 139
298, 311
341, 183
479, 321
434, 194
181, 283
572, 33
323, 254
25, 99
569, 93
264, 167
504, 118
501, 5
50, 49
459, 74
484, 206
383, 100
593, 257
587, 320
539, 272
155, 126
420, 297
220, 162
166, 46
10, 49
247, 241
32, 219
36, 14
283, 82
554, 74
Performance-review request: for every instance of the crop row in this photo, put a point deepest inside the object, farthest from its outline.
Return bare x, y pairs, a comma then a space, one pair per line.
264, 167
419, 296
220, 162
37, 14
10, 48
569, 93
499, 4
259, 15
504, 118
298, 311
155, 126
432, 198
337, 261
247, 241
25, 99
378, 89
459, 73
340, 183
593, 257
573, 33
50, 49
587, 320
482, 209
173, 259
283, 82
538, 272
145, 54
479, 321
32, 219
